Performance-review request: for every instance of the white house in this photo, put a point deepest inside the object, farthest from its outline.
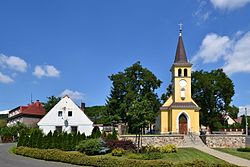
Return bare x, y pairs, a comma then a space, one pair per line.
66, 116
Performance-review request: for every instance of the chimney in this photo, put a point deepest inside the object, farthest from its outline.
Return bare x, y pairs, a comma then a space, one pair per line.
37, 103
82, 106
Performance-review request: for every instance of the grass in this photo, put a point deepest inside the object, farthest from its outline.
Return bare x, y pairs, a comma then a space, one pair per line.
190, 154
184, 155
233, 151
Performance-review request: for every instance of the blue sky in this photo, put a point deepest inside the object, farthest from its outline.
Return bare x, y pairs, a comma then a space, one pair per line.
71, 47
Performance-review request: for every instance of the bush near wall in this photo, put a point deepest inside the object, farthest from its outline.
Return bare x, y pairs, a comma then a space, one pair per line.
124, 144
89, 147
100, 161
246, 149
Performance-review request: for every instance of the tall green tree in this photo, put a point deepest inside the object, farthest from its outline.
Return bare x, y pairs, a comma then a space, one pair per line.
51, 102
213, 92
134, 83
140, 115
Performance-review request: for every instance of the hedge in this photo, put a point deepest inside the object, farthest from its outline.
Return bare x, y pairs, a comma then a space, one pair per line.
36, 139
99, 161
246, 149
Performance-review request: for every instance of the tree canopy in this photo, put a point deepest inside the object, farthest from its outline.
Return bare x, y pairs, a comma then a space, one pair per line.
98, 114
135, 83
51, 102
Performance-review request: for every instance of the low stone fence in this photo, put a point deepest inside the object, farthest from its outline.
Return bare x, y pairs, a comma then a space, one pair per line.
157, 140
224, 140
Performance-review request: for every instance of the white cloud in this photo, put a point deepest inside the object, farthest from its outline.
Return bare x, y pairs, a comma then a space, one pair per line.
5, 79
235, 52
213, 47
229, 4
239, 59
202, 13
46, 71
75, 95
13, 63
242, 110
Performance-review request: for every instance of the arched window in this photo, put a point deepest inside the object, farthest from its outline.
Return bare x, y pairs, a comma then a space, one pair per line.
179, 72
183, 93
185, 72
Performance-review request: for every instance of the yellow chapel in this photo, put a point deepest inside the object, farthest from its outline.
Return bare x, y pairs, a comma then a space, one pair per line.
180, 114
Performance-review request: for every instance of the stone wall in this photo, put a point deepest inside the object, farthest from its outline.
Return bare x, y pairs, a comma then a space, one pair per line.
157, 140
224, 141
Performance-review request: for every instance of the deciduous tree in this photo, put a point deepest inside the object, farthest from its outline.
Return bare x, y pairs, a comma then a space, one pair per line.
51, 102
134, 83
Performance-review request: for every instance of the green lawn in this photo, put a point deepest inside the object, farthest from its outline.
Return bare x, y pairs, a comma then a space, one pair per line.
183, 155
190, 154
233, 151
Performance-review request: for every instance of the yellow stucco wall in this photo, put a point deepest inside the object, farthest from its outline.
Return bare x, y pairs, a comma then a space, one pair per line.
169, 118
192, 116
164, 122
177, 88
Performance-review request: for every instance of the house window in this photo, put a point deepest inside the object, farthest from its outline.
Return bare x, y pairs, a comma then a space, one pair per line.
59, 113
70, 113
59, 128
73, 129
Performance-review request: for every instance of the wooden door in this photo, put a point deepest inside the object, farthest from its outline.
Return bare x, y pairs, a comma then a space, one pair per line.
182, 124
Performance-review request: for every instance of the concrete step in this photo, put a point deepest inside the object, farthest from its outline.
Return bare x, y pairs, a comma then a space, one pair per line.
192, 141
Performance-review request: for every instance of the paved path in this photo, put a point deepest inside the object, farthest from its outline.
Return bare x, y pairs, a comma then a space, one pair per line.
224, 156
11, 160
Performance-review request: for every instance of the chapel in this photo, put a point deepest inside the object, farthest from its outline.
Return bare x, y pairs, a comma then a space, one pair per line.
180, 114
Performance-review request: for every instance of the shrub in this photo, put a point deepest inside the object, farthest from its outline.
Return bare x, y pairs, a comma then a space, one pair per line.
113, 135
89, 146
102, 161
150, 148
169, 148
96, 133
118, 152
246, 149
36, 139
124, 144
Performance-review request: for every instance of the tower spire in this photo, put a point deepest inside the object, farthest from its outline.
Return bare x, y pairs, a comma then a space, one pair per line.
180, 56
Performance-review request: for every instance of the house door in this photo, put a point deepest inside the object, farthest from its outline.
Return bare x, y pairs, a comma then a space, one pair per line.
182, 124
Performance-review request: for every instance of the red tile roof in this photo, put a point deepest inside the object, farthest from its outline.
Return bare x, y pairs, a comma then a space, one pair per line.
33, 109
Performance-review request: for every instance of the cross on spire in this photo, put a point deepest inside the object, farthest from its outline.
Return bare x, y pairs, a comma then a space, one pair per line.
180, 24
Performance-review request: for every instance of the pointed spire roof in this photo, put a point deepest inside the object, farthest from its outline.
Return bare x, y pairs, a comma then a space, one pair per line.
180, 56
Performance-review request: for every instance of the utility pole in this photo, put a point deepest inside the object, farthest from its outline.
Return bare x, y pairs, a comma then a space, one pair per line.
246, 122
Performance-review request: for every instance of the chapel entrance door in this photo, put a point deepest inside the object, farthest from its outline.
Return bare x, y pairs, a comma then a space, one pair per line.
183, 124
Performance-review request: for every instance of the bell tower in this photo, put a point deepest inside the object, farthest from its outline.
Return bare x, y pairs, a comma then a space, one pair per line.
180, 114
181, 73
